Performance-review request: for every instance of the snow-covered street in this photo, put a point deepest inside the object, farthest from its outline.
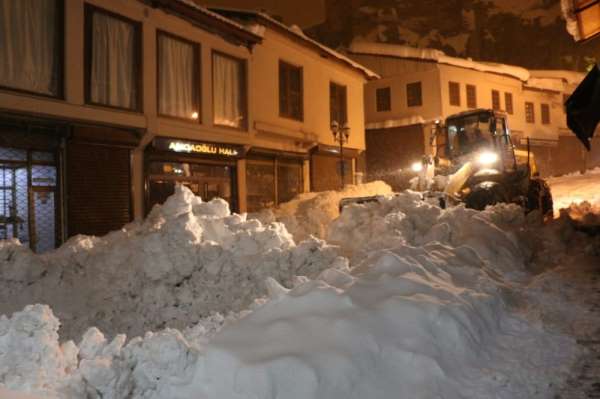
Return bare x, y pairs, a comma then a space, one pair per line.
402, 299
576, 188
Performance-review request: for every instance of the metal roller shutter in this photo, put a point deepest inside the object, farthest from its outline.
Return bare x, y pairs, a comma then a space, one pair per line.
98, 188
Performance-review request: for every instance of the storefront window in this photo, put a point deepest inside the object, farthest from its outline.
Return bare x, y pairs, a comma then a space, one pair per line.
205, 180
260, 182
289, 181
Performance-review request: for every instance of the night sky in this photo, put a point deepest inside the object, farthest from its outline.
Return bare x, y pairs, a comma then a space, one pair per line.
300, 12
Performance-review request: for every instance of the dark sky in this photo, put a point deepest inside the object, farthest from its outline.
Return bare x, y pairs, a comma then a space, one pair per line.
304, 13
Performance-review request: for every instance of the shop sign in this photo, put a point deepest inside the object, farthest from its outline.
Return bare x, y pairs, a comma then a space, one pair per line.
200, 148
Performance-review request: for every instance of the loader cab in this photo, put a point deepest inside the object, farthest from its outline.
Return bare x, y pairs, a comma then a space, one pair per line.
475, 131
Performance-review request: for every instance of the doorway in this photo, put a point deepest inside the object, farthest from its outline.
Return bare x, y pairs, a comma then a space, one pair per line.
28, 204
207, 181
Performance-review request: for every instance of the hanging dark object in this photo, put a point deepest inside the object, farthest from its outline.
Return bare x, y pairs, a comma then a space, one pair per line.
583, 108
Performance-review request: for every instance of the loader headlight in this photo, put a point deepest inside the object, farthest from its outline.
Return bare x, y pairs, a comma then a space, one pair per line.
487, 158
416, 167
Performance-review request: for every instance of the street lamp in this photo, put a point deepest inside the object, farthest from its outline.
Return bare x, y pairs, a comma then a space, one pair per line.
340, 135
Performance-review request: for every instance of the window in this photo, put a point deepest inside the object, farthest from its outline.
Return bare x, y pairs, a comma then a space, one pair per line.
508, 100
384, 99
113, 60
31, 54
529, 113
414, 95
229, 91
338, 103
290, 91
495, 100
545, 114
471, 96
178, 85
454, 89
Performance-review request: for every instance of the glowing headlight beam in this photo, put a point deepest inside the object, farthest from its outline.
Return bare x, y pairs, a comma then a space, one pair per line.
416, 166
487, 158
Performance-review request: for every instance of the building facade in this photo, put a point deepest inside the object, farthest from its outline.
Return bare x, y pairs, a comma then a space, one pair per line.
106, 104
421, 86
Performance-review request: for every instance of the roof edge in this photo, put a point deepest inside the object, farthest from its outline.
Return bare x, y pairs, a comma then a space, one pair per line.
208, 20
321, 49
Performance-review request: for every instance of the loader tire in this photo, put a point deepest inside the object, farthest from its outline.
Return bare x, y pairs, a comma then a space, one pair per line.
484, 194
539, 197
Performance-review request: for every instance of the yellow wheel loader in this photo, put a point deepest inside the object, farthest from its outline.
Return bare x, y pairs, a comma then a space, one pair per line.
474, 149
475, 152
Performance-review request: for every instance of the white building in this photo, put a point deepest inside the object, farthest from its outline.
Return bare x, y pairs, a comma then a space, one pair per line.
419, 86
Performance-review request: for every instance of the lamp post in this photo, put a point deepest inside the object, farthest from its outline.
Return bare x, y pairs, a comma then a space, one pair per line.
340, 135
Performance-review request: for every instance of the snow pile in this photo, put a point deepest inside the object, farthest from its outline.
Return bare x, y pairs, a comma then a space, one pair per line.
425, 313
406, 219
423, 322
188, 259
310, 214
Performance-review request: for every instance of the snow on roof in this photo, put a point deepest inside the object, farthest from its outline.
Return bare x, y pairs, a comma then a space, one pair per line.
214, 15
568, 11
571, 77
400, 51
407, 121
297, 31
551, 84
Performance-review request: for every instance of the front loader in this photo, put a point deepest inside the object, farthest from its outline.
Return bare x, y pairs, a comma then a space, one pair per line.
475, 152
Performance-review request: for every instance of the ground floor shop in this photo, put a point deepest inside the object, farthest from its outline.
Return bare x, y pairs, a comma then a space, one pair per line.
208, 169
249, 179
58, 180
328, 169
565, 155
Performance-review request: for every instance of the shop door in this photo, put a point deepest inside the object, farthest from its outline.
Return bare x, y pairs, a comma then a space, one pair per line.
98, 188
204, 180
28, 206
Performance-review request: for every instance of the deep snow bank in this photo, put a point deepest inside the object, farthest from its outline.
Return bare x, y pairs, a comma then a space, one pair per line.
406, 219
427, 322
311, 213
425, 314
186, 260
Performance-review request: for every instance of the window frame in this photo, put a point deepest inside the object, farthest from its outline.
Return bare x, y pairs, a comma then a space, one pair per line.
468, 88
288, 68
418, 84
388, 99
454, 94
496, 105
197, 86
244, 86
509, 99
545, 114
60, 50
529, 106
89, 11
345, 91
